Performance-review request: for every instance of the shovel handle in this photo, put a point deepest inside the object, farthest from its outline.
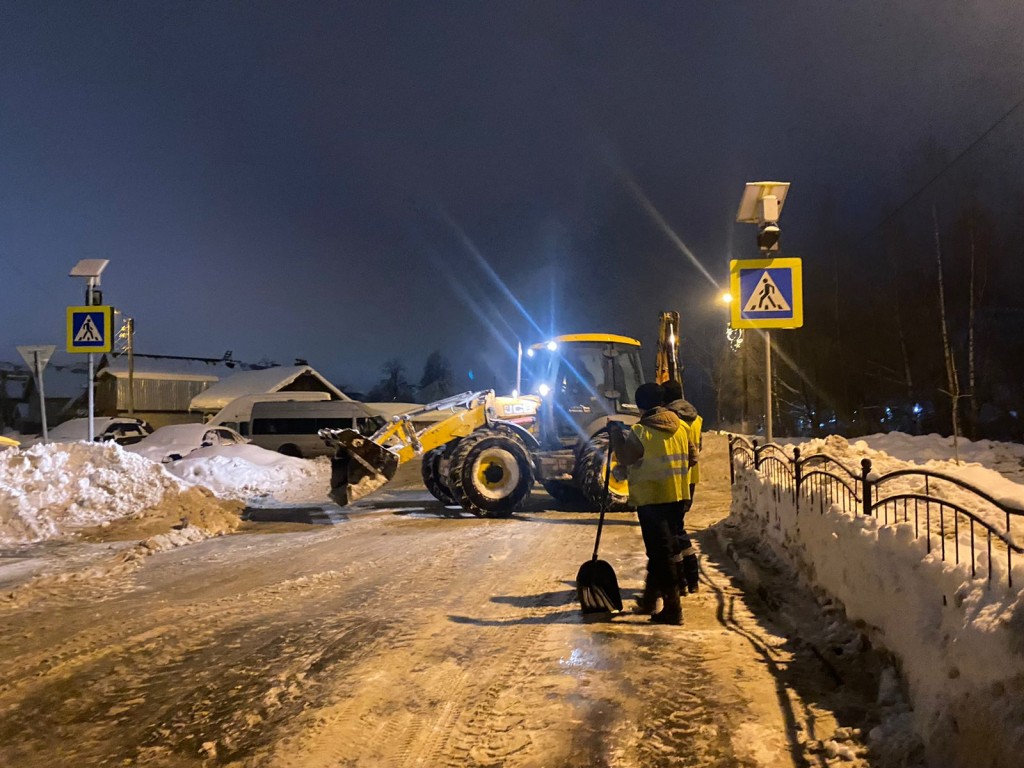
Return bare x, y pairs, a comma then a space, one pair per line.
604, 496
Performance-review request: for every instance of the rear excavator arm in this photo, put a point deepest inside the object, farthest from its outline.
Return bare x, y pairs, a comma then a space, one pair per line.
667, 366
363, 464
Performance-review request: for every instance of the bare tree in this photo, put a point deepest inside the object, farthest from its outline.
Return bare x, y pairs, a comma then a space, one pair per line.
952, 378
393, 386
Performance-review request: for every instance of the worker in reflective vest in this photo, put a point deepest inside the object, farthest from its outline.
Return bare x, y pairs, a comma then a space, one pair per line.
657, 453
686, 553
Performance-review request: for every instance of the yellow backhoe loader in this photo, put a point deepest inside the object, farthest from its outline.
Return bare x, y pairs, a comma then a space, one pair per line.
488, 451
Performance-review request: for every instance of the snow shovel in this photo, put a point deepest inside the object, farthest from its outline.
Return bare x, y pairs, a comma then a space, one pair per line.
596, 585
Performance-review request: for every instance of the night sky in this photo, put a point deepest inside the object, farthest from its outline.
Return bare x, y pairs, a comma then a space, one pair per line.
353, 182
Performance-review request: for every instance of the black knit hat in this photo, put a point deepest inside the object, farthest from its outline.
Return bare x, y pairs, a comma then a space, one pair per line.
648, 396
673, 391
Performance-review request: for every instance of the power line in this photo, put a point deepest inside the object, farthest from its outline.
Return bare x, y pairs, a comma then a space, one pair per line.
945, 168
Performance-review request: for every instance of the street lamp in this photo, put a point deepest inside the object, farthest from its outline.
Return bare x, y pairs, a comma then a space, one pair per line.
91, 269
735, 338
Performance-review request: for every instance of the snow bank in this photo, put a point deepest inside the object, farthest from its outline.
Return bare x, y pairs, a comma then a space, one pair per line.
47, 490
960, 642
247, 472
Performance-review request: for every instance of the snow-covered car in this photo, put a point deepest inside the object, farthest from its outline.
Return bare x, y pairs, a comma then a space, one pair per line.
176, 441
124, 430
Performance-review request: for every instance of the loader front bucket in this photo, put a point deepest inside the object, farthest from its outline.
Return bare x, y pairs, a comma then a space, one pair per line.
359, 467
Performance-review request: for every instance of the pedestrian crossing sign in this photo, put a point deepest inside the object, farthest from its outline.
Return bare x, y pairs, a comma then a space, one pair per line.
89, 329
766, 293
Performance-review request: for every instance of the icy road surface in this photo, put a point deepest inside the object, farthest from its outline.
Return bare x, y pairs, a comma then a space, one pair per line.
405, 634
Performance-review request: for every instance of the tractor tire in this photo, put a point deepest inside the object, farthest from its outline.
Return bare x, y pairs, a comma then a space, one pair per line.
564, 492
431, 469
589, 475
490, 473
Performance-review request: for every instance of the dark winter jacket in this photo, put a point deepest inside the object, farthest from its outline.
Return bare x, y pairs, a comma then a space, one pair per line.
683, 409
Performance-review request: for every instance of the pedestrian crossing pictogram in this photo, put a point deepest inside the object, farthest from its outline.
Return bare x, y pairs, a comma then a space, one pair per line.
88, 332
767, 293
766, 297
89, 329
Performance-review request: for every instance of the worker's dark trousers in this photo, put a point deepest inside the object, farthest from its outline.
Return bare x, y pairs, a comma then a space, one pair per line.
685, 554
657, 526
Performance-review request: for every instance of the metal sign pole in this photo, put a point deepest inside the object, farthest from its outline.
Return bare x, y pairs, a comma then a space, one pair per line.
42, 394
92, 428
768, 386
92, 423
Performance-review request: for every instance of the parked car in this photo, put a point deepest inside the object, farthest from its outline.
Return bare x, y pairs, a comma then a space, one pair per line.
238, 413
176, 441
124, 430
291, 427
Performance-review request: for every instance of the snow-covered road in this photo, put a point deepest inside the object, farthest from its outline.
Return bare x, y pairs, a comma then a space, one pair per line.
408, 635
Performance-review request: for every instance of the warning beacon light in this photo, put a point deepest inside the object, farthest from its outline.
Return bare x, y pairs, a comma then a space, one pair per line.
761, 204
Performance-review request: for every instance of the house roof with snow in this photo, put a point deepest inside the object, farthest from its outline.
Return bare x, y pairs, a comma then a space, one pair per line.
283, 378
170, 368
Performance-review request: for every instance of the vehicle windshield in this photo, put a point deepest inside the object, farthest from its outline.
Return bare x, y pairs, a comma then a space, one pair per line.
583, 372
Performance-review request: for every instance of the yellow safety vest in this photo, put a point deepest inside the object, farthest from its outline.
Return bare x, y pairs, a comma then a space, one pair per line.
696, 426
661, 475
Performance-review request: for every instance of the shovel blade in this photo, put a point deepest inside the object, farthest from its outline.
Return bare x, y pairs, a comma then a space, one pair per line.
598, 588
359, 467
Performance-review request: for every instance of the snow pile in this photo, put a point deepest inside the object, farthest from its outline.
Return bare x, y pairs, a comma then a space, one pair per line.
1005, 458
50, 490
993, 482
960, 642
247, 472
47, 490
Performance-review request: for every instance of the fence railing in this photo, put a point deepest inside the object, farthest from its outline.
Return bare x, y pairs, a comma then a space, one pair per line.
935, 503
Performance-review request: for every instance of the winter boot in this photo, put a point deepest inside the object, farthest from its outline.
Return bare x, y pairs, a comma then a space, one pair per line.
647, 603
672, 613
691, 573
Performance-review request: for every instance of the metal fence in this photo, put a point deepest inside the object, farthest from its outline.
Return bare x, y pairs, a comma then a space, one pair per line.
935, 505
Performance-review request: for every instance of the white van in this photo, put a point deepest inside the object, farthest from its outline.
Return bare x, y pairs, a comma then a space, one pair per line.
291, 427
238, 413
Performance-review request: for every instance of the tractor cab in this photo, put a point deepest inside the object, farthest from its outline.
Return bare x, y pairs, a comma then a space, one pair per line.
583, 380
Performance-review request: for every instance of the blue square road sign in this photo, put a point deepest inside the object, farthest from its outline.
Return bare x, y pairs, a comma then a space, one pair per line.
766, 293
89, 329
